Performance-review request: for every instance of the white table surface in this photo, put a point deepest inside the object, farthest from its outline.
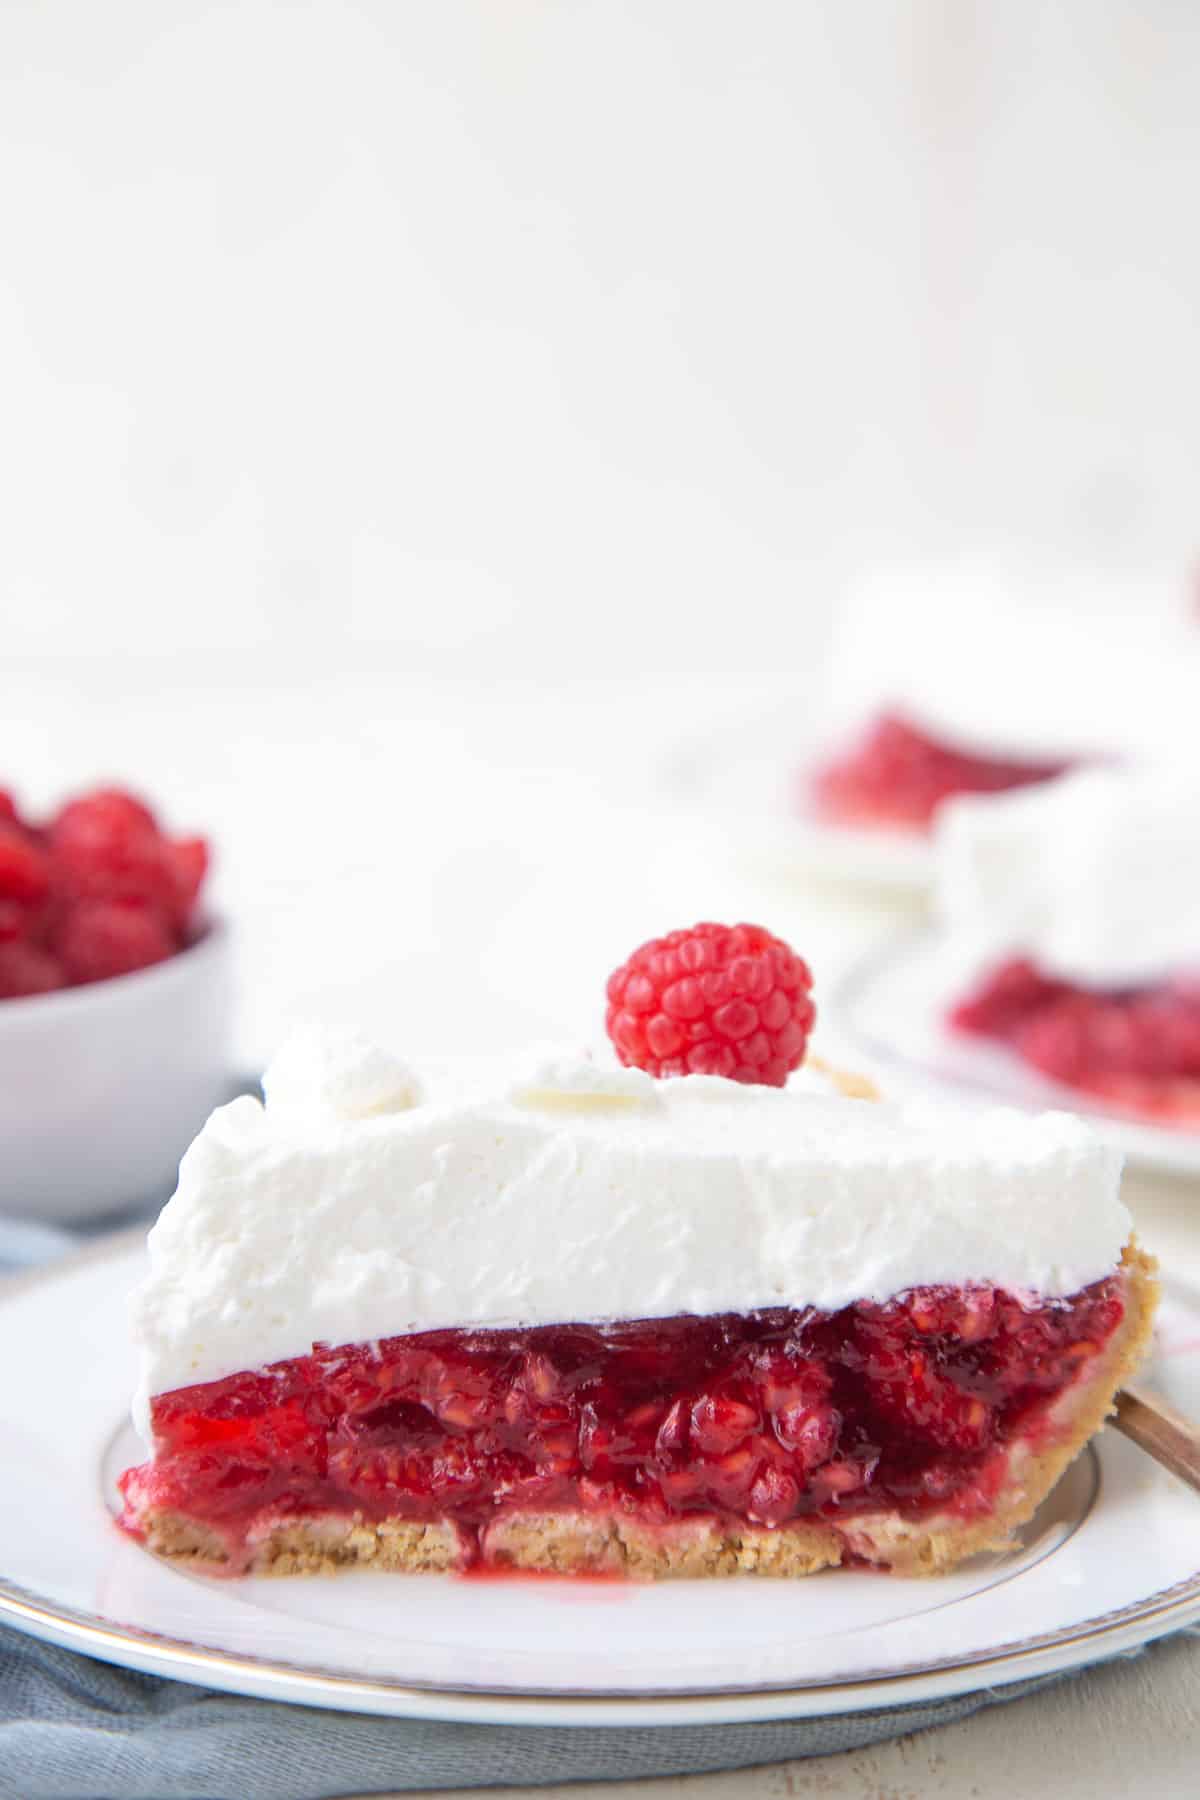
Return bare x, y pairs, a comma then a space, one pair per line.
461, 865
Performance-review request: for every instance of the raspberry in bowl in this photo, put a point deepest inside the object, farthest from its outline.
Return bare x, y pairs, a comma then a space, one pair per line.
114, 1005
580, 1316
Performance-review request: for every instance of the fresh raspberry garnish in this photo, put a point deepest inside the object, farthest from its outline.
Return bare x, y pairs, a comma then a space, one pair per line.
25, 970
100, 938
715, 1000
24, 868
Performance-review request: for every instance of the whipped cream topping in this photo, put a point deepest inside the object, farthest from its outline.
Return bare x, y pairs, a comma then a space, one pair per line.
1001, 658
566, 1190
338, 1075
1095, 877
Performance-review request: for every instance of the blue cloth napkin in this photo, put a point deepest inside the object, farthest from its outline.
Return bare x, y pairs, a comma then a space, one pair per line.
75, 1729
23, 1243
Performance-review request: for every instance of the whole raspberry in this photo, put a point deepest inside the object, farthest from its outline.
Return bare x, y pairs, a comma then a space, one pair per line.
13, 920
25, 970
100, 938
188, 858
107, 846
24, 868
716, 1000
112, 812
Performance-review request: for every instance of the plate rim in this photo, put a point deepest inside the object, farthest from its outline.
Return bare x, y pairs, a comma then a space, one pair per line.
1150, 1146
1106, 1634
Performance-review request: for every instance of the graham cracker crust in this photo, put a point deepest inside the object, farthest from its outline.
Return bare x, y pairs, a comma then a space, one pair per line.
318, 1544
933, 1545
610, 1544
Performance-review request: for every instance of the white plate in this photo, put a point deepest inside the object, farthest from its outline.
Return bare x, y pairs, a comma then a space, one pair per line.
1112, 1560
892, 1007
747, 780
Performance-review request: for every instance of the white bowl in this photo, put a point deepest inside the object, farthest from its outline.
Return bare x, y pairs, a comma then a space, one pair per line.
103, 1087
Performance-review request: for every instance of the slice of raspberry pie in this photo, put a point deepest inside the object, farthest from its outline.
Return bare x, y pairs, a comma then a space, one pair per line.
895, 775
1076, 912
977, 675
582, 1320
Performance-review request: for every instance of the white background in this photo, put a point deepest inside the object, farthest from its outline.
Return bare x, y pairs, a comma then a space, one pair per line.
417, 419
532, 334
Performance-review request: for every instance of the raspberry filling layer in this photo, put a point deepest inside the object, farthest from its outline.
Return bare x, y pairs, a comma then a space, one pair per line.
897, 776
1138, 1049
765, 1418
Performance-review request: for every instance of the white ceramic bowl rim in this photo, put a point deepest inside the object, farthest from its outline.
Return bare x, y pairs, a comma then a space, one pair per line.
213, 935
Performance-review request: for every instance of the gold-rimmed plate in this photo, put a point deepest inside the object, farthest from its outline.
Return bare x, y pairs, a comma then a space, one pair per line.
1112, 1560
